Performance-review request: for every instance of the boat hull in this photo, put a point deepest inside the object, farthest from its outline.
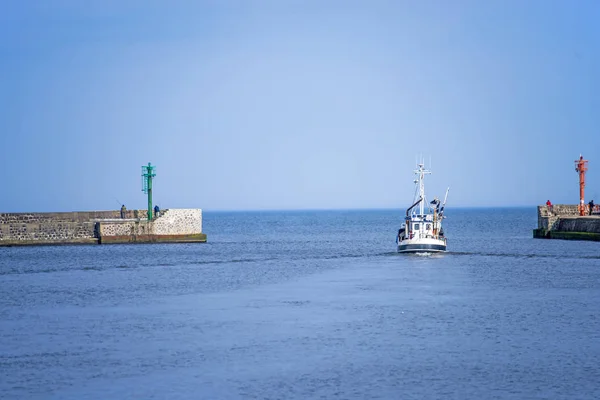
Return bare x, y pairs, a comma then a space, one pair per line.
422, 245
421, 248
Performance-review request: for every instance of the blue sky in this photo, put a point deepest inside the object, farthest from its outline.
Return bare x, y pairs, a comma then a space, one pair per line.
296, 104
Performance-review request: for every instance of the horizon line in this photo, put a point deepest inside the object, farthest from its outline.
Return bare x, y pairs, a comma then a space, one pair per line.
287, 209
356, 208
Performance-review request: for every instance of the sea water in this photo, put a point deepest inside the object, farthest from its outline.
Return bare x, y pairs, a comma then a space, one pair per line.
306, 305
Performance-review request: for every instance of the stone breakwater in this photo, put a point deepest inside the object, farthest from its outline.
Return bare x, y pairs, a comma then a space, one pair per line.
91, 227
564, 222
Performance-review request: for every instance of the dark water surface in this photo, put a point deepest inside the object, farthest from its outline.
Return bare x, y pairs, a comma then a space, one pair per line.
306, 305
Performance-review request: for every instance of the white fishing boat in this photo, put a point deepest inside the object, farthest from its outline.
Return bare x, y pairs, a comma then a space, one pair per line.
422, 230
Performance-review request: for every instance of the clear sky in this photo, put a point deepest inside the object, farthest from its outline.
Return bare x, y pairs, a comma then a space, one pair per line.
289, 104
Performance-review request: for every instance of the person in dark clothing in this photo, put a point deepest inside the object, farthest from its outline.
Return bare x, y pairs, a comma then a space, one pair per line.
156, 211
123, 209
591, 204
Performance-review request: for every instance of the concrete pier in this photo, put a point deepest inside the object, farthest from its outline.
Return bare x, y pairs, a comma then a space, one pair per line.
562, 221
101, 227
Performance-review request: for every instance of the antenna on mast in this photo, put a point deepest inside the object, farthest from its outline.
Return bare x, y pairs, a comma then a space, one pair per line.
441, 215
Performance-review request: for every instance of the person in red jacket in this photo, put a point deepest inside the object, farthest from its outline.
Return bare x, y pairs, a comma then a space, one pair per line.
549, 204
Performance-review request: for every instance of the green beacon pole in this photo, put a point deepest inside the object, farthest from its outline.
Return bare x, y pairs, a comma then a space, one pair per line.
148, 172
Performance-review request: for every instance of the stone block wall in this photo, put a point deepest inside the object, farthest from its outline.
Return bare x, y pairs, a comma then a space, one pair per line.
178, 222
170, 222
566, 218
579, 224
75, 216
32, 228
124, 228
46, 231
89, 226
547, 220
563, 209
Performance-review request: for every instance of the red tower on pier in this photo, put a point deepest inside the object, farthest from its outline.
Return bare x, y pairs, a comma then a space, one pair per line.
581, 167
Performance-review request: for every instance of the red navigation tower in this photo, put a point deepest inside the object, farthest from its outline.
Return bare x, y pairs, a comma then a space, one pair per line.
581, 167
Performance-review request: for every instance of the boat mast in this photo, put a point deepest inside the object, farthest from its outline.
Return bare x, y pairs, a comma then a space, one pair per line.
421, 181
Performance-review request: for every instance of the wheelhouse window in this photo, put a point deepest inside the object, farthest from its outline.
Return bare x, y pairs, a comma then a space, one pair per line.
416, 227
428, 227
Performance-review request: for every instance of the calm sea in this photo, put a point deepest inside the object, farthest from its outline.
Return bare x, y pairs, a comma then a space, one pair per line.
306, 305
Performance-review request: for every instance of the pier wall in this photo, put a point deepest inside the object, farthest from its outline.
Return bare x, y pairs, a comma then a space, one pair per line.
90, 227
579, 224
46, 228
176, 225
564, 222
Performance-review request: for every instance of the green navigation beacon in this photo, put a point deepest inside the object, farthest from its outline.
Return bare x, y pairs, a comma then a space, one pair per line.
148, 172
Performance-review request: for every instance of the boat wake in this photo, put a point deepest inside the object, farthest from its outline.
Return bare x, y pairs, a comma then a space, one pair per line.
524, 255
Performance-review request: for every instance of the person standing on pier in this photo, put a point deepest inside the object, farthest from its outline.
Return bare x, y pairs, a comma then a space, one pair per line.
123, 209
156, 211
549, 205
591, 204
